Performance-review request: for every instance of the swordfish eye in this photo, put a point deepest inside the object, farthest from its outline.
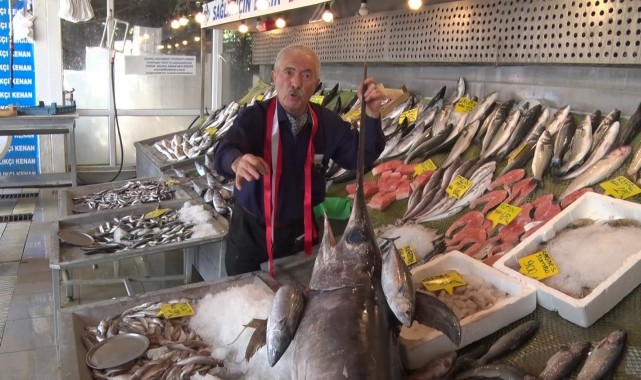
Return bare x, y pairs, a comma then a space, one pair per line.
355, 237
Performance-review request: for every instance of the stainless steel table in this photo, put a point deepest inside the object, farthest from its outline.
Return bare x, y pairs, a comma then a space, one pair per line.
42, 125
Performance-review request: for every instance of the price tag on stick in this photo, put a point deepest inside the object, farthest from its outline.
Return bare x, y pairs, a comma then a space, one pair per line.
447, 281
538, 265
408, 254
621, 188
504, 214
426, 166
458, 187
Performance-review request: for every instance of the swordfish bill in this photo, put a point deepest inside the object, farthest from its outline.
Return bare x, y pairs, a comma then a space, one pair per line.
356, 299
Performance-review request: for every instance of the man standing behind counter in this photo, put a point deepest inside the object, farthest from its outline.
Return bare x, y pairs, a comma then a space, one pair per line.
268, 153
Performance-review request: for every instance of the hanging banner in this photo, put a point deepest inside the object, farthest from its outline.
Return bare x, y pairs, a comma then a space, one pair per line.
216, 11
18, 154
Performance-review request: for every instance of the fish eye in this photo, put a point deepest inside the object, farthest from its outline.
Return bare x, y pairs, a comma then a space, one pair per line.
355, 237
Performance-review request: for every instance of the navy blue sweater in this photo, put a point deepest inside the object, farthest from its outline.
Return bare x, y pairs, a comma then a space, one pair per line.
333, 140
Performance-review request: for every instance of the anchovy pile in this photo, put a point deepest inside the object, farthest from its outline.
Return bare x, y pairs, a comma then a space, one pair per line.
138, 231
175, 351
130, 194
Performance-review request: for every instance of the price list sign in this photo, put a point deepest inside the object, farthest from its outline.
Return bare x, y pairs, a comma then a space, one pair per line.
18, 154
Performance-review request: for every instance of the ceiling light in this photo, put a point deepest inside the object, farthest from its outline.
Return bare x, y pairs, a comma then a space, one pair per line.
362, 11
160, 47
168, 46
175, 24
185, 42
232, 8
183, 20
261, 5
196, 38
177, 44
280, 23
145, 36
328, 15
243, 28
200, 17
414, 4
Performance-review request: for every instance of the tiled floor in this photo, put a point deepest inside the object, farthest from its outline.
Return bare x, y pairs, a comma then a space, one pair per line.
27, 345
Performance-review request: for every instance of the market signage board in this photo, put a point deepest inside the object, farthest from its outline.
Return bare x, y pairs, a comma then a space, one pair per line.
216, 11
160, 65
18, 154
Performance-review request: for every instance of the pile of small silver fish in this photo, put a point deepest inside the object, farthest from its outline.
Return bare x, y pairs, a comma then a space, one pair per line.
175, 351
190, 144
217, 190
138, 231
480, 364
132, 193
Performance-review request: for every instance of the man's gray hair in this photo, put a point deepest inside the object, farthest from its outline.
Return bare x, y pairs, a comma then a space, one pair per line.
298, 49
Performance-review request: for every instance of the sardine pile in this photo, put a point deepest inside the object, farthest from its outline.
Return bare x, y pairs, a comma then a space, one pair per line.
137, 231
175, 351
130, 194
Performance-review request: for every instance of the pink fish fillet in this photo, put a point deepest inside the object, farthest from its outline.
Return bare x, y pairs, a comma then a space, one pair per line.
466, 236
490, 200
507, 179
543, 199
570, 198
521, 190
546, 211
471, 219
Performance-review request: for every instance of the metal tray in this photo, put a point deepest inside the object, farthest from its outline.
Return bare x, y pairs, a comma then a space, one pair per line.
65, 257
66, 195
74, 319
117, 350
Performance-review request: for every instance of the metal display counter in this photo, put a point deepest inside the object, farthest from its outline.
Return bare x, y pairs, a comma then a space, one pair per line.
65, 196
74, 319
64, 257
150, 162
42, 125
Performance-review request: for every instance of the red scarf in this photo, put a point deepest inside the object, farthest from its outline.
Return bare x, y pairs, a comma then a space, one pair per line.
272, 150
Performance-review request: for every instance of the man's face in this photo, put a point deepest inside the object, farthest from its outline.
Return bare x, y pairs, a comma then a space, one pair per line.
295, 80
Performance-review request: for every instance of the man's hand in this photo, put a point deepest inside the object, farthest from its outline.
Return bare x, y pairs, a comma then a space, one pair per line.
249, 168
373, 97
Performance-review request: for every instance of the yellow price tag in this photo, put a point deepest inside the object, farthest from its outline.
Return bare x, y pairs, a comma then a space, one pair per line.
352, 115
504, 214
447, 282
538, 265
318, 99
175, 310
516, 153
156, 213
426, 166
465, 105
411, 116
172, 182
259, 97
408, 254
458, 187
620, 188
211, 130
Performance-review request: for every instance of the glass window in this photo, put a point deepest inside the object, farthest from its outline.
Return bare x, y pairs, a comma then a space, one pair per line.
237, 50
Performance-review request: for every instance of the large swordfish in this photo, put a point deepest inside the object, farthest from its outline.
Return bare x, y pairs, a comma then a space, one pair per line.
346, 324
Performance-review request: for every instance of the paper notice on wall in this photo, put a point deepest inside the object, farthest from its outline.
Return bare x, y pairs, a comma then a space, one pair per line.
160, 65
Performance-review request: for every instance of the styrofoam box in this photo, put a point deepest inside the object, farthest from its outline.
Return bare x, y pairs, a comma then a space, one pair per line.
422, 344
585, 311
